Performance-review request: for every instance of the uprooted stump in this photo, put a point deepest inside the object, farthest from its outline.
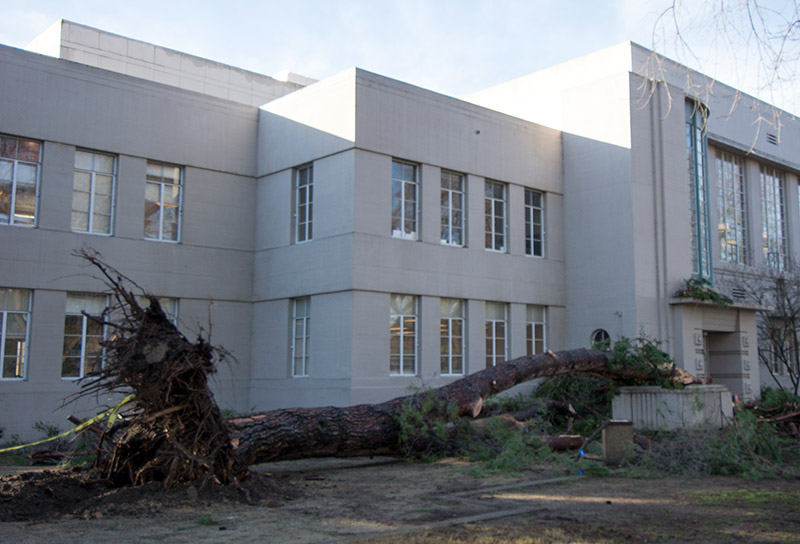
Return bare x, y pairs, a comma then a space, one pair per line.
175, 431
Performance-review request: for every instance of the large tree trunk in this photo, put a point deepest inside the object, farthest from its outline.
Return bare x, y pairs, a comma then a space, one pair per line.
373, 429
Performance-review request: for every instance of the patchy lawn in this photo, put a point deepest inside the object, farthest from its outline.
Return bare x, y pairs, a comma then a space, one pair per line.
405, 503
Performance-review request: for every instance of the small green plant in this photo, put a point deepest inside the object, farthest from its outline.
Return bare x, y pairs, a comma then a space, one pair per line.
506, 449
775, 398
429, 426
701, 289
645, 359
47, 429
206, 519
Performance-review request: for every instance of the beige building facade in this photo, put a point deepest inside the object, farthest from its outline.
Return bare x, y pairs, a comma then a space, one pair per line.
350, 238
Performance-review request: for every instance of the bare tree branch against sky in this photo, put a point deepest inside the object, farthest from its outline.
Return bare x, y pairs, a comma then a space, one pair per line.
756, 42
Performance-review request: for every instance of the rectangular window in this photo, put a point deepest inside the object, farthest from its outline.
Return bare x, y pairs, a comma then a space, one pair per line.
303, 203
15, 313
777, 348
535, 332
496, 339
696, 144
732, 212
404, 200
301, 336
93, 192
168, 305
162, 206
495, 208
19, 180
452, 211
403, 335
773, 219
534, 223
83, 335
451, 329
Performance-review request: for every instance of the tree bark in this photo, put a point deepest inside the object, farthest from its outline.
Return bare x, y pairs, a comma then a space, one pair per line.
373, 429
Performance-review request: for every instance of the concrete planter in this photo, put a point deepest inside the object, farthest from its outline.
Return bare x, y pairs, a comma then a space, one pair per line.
651, 407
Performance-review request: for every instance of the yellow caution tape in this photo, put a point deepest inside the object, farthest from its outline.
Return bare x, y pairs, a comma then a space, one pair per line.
111, 413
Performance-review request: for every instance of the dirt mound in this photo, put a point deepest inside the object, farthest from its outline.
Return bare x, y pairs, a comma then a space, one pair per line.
54, 494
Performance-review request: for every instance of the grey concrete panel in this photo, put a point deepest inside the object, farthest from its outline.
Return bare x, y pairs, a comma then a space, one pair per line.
93, 108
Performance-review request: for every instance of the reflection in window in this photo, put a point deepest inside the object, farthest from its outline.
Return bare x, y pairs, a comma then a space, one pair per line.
495, 215
535, 329
303, 204
403, 335
601, 339
451, 331
83, 353
162, 213
404, 200
773, 222
696, 144
301, 336
732, 213
15, 312
534, 223
93, 192
19, 179
496, 339
452, 209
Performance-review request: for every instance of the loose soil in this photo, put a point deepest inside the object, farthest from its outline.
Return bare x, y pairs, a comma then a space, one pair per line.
442, 502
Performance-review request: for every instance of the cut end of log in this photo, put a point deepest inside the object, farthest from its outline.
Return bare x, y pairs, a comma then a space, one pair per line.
476, 408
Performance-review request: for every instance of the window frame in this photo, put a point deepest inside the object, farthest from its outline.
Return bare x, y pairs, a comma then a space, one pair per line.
93, 173
697, 155
401, 185
600, 338
161, 204
4, 318
15, 162
492, 336
398, 329
530, 224
85, 321
448, 340
491, 216
531, 327
169, 305
304, 322
303, 199
449, 214
773, 225
732, 208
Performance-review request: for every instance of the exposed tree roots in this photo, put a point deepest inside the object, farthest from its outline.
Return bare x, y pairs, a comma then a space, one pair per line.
174, 432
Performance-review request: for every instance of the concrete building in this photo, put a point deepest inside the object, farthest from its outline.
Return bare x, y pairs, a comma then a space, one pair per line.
354, 237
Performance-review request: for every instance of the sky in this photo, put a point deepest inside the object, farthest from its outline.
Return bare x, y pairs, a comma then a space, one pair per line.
455, 47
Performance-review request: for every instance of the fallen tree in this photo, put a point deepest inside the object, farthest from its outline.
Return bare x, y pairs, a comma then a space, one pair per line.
174, 431
370, 429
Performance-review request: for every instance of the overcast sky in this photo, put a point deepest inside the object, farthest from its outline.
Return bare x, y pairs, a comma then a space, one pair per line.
451, 46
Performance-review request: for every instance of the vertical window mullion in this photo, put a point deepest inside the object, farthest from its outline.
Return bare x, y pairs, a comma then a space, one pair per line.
12, 211
91, 201
449, 345
83, 340
3, 322
161, 213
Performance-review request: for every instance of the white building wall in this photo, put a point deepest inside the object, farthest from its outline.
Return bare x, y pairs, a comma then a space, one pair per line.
95, 47
350, 128
67, 106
